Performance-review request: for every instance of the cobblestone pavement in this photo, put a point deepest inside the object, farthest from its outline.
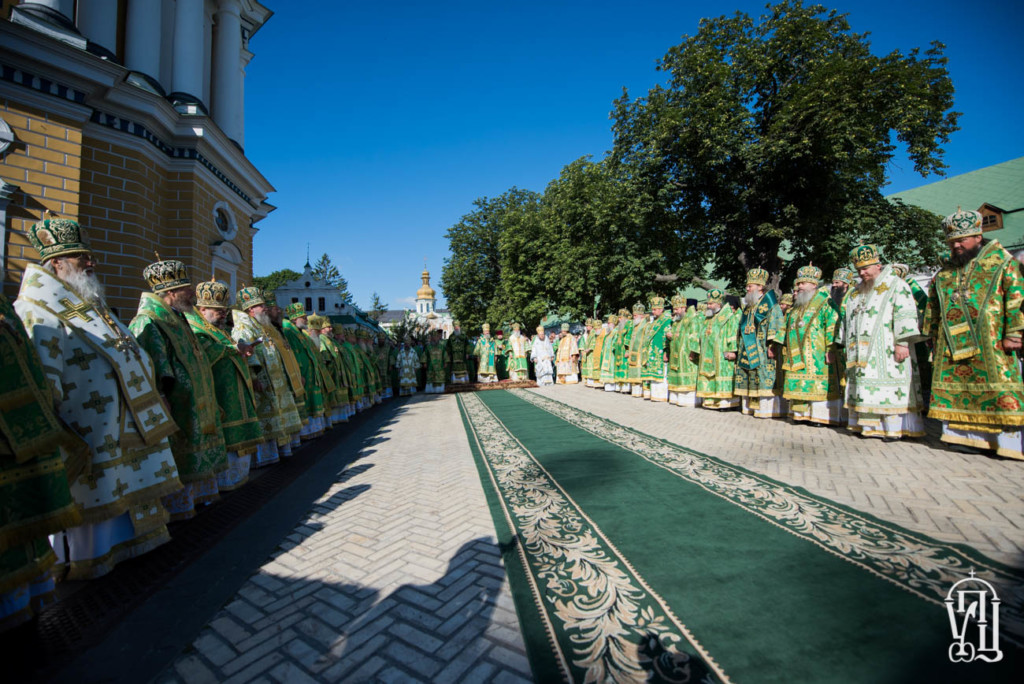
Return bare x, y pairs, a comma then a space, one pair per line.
920, 484
393, 576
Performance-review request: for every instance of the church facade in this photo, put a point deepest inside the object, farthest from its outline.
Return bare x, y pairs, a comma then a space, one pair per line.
128, 116
426, 314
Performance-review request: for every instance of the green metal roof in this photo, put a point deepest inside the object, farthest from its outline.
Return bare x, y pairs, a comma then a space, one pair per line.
1001, 186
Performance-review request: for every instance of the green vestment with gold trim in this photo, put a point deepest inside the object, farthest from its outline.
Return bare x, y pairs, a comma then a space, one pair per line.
761, 325
181, 366
810, 334
971, 309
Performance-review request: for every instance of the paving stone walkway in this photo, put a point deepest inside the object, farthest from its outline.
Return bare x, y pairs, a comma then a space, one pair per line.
920, 484
393, 576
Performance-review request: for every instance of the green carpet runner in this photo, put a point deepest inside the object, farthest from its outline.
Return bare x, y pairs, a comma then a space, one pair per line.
635, 559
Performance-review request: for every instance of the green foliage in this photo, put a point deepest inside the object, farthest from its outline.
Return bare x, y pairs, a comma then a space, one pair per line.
409, 328
325, 270
377, 307
269, 283
779, 132
766, 147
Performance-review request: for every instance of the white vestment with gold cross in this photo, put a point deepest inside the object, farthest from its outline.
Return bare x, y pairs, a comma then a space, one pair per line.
105, 391
885, 395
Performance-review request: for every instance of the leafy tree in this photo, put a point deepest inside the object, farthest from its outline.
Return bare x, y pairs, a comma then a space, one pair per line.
410, 328
325, 270
269, 283
377, 307
472, 277
773, 136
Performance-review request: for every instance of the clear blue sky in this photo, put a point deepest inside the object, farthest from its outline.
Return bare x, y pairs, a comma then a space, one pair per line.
380, 122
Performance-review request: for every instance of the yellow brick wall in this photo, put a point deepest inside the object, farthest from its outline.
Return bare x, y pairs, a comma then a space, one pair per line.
128, 203
45, 163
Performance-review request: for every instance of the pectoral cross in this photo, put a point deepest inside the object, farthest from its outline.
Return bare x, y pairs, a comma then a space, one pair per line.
75, 310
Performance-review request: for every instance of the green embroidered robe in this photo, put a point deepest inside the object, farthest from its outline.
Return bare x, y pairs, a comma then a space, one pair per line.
810, 333
331, 356
486, 355
180, 363
233, 386
275, 403
652, 357
34, 485
599, 336
608, 358
635, 352
761, 325
970, 310
309, 366
435, 359
685, 372
457, 348
715, 373
355, 370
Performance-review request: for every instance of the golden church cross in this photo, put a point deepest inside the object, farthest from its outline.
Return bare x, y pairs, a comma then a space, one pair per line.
75, 310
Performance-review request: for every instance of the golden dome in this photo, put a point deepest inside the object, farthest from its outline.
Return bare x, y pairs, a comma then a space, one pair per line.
425, 291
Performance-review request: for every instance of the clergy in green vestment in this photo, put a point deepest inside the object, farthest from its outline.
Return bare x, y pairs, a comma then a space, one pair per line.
652, 356
585, 345
717, 338
622, 351
231, 380
33, 475
292, 326
677, 348
336, 402
275, 401
186, 383
435, 364
761, 332
457, 349
634, 351
611, 338
811, 385
517, 352
500, 346
974, 319
486, 354
347, 344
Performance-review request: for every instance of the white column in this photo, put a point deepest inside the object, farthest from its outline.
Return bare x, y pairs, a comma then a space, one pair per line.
243, 63
227, 74
65, 7
142, 37
97, 21
188, 48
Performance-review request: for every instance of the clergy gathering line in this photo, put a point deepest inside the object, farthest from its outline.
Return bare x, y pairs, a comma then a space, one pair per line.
870, 350
109, 432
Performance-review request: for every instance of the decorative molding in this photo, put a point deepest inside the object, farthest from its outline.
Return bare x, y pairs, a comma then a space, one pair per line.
7, 191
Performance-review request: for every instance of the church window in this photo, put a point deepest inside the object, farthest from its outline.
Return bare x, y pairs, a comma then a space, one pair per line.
294, 299
321, 304
309, 303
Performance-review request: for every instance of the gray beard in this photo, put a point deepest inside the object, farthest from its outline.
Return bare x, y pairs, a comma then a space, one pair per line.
301, 325
751, 298
709, 313
315, 336
803, 297
87, 285
263, 319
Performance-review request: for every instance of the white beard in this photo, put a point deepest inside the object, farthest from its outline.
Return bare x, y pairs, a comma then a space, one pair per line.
87, 285
263, 319
301, 325
802, 297
710, 313
751, 298
315, 336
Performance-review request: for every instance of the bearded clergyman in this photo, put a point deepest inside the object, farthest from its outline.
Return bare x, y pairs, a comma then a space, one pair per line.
336, 401
878, 327
974, 319
185, 382
105, 391
761, 332
716, 353
314, 376
275, 403
811, 385
232, 381
653, 361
